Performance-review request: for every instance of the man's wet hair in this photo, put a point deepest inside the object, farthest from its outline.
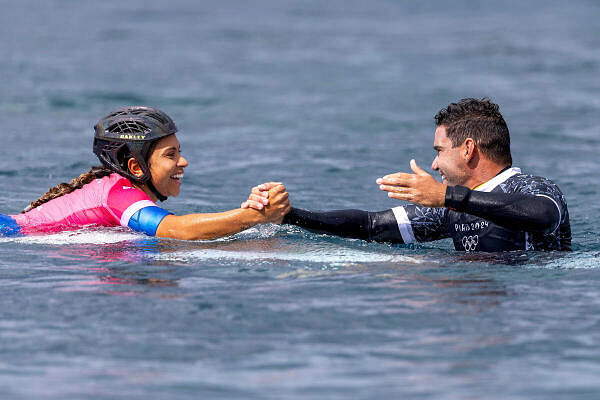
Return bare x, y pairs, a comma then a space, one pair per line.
481, 121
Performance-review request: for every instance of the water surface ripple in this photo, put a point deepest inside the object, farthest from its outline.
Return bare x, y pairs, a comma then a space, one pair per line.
325, 96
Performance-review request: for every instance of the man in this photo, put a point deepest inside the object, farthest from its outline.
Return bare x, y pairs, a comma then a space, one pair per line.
483, 203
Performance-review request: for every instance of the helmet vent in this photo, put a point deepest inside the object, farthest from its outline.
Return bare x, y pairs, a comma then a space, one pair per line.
141, 110
117, 113
125, 126
158, 117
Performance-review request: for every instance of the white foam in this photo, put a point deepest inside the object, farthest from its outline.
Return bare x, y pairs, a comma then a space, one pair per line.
334, 255
306, 252
75, 237
574, 261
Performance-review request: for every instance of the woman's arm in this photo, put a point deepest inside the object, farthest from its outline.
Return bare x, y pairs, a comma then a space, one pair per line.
216, 225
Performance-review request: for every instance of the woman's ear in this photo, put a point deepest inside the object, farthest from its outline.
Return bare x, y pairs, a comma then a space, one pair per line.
134, 167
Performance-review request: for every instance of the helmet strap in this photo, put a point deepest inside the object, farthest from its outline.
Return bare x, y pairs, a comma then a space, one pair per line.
154, 190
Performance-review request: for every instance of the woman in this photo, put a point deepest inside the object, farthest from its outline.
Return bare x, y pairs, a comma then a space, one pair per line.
142, 163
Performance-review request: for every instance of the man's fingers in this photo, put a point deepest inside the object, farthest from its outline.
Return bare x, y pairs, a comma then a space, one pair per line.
401, 196
269, 185
399, 179
403, 178
280, 198
394, 175
277, 189
396, 189
265, 187
416, 169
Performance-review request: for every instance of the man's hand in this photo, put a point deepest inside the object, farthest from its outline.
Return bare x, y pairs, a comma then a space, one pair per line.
279, 204
419, 188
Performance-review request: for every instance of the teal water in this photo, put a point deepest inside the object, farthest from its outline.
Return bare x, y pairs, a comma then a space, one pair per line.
325, 96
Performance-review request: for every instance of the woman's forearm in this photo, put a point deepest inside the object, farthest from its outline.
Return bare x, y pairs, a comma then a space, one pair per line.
208, 226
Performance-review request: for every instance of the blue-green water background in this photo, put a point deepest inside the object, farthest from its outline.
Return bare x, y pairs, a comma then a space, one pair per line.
325, 96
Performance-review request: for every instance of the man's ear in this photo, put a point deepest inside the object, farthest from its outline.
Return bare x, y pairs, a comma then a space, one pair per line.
468, 150
134, 167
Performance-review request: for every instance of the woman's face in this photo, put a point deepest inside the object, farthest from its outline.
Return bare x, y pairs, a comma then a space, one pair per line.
166, 166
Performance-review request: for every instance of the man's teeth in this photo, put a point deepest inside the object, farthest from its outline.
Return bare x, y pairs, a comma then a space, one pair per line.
178, 176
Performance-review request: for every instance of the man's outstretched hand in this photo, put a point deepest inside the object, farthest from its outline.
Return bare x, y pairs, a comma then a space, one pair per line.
419, 188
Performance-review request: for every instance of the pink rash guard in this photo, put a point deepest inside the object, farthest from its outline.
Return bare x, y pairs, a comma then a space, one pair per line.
108, 201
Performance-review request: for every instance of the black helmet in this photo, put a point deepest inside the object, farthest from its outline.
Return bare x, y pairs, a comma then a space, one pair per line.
130, 132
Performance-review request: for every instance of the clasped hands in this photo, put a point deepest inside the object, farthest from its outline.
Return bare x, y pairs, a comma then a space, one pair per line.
419, 188
271, 199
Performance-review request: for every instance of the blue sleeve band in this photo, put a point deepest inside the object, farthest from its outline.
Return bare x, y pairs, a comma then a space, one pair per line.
147, 219
8, 226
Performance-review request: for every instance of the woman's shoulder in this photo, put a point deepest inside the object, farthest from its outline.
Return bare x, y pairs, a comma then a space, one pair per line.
120, 190
114, 179
111, 183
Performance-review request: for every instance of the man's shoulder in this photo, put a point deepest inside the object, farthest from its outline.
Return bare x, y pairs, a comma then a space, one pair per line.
529, 184
536, 186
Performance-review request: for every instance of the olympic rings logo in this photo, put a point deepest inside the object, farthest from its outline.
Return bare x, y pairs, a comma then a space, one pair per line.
470, 242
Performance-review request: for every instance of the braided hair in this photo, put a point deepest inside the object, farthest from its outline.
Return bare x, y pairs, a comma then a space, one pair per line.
61, 189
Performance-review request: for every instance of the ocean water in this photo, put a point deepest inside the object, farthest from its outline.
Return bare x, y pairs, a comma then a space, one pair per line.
326, 97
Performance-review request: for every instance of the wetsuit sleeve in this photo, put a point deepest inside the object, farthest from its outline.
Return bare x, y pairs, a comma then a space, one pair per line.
147, 219
422, 224
134, 209
378, 226
8, 226
522, 211
393, 226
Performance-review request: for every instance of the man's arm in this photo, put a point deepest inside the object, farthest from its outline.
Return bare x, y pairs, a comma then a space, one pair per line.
377, 226
518, 211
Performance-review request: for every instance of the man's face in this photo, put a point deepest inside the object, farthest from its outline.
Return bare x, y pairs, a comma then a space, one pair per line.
448, 161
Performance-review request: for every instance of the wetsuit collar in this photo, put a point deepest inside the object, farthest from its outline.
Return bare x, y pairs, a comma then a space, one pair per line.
498, 179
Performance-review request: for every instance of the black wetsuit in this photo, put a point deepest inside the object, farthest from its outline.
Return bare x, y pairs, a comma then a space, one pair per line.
512, 211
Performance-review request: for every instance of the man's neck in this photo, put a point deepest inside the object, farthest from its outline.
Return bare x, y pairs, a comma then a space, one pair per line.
483, 173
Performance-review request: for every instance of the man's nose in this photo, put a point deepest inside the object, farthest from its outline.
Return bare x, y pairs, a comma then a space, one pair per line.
434, 165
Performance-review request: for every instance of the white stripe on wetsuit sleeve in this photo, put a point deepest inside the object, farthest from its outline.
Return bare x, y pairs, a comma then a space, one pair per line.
406, 230
559, 212
132, 209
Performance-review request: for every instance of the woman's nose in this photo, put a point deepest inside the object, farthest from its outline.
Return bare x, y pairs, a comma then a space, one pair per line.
182, 162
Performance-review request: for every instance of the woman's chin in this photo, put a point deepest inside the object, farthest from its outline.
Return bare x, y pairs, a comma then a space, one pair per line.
174, 192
